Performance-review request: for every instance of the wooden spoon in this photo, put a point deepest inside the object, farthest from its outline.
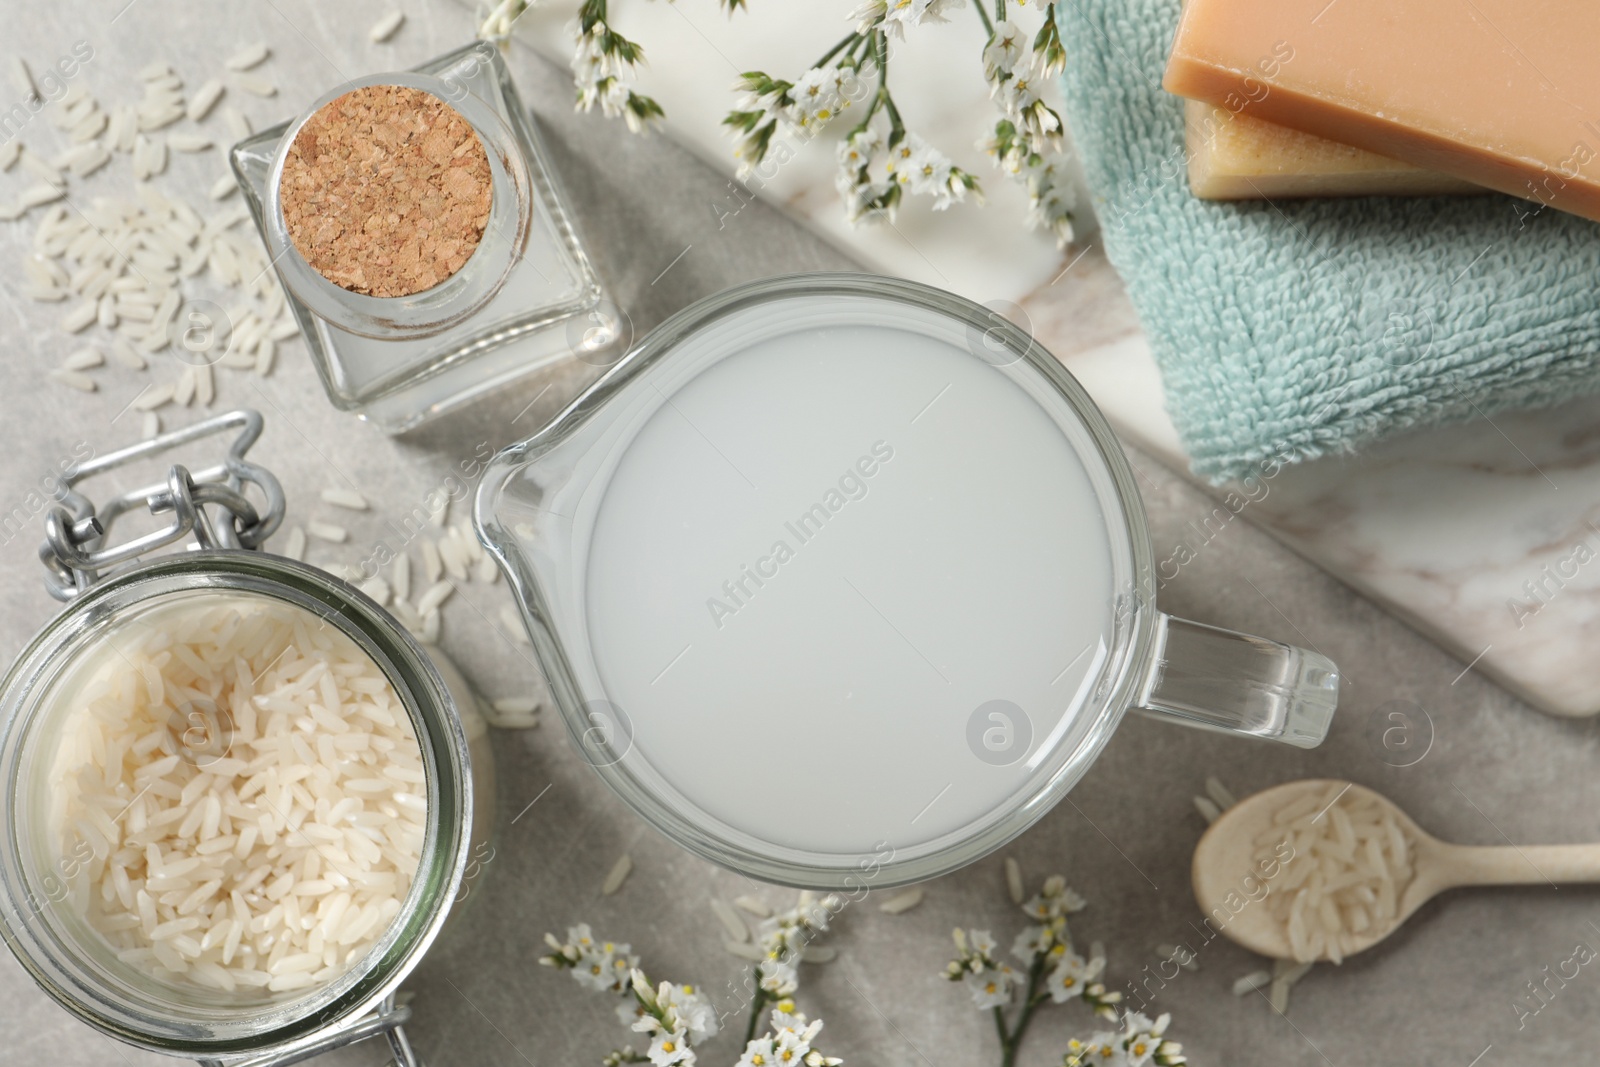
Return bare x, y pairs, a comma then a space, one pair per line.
1230, 883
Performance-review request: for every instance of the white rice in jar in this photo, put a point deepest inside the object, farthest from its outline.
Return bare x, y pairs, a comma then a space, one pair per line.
240, 793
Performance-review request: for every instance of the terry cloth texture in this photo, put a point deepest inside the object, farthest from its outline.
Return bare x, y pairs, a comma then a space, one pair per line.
1316, 326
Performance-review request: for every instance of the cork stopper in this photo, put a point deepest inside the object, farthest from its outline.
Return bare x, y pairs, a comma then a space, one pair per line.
386, 191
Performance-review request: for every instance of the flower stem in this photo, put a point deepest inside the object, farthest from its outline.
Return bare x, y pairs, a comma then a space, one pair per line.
897, 128
989, 26
1006, 1054
999, 10
836, 49
756, 1007
1031, 1000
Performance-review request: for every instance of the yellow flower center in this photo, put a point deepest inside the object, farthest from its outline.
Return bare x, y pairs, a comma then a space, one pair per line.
1139, 1047
668, 1046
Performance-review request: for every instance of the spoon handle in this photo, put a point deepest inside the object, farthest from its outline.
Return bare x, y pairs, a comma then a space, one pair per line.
1520, 864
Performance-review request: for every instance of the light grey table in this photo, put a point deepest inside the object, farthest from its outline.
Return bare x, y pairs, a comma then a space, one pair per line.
1442, 991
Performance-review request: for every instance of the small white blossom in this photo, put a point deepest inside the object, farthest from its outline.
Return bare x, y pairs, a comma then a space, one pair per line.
1142, 1037
1006, 49
868, 14
790, 1049
683, 1006
1032, 941
1103, 1049
990, 988
757, 1053
863, 197
779, 976
1072, 973
669, 1048
1054, 901
899, 14
818, 95
1051, 203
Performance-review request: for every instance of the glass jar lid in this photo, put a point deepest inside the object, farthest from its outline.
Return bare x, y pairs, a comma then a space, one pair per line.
835, 577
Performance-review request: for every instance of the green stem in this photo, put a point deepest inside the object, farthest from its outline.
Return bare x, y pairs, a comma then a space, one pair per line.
1006, 1054
896, 127
756, 1007
999, 10
1031, 1000
836, 49
988, 26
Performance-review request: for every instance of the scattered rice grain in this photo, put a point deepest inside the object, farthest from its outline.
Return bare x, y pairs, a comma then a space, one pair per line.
619, 874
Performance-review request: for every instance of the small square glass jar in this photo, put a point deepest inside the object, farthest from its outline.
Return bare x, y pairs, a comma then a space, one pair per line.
526, 298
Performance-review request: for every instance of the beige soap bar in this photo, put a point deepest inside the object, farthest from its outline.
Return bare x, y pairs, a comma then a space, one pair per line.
1504, 93
1237, 157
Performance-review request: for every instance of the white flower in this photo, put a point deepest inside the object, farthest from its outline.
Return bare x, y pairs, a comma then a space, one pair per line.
794, 1024
990, 988
629, 1013
757, 1053
1032, 941
603, 966
593, 970
1141, 1049
669, 1048
592, 68
899, 14
1072, 972
857, 150
1101, 1050
868, 14
641, 988
817, 96
580, 936
1054, 900
1051, 202
927, 169
981, 943
1142, 1038
865, 180
779, 975
1006, 49
1014, 94
686, 1007
791, 1046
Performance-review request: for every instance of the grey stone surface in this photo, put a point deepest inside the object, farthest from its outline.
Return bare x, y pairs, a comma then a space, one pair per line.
1441, 992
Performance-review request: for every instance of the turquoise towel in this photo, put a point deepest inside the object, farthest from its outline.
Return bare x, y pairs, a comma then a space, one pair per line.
1316, 326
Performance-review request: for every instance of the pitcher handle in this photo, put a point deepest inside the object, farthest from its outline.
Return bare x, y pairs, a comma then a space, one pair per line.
1221, 680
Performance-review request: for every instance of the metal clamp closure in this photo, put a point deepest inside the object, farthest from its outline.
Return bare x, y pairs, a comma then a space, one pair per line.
77, 550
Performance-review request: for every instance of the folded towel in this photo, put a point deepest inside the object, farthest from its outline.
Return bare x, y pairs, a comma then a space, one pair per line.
1315, 326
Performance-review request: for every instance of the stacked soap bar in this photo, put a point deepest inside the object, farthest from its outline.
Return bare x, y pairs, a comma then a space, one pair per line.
1503, 93
1237, 157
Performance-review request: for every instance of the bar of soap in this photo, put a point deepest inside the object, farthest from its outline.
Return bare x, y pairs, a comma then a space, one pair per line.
1504, 93
1239, 157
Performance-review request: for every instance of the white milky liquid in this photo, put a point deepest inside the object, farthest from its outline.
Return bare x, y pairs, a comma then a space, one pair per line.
827, 707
